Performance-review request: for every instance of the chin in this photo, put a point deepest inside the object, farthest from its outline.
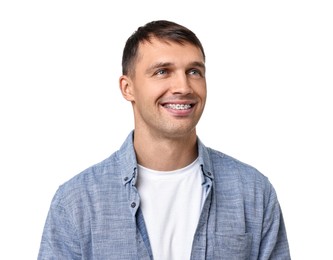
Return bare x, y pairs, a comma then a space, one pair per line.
180, 132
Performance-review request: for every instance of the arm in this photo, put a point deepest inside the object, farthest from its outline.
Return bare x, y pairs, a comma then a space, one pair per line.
274, 242
59, 239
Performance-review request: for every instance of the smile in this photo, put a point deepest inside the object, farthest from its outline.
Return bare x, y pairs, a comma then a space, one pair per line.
178, 106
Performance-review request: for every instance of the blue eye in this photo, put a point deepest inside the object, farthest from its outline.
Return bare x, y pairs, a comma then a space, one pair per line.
161, 72
194, 72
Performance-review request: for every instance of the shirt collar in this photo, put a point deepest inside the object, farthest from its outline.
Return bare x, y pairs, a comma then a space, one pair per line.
127, 159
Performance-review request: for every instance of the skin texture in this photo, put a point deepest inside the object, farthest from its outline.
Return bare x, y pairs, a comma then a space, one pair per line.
166, 74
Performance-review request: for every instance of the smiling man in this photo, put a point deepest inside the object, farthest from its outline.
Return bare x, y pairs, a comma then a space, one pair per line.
167, 89
164, 195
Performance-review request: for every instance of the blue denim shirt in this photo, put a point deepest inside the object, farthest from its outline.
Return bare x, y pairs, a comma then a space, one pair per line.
96, 214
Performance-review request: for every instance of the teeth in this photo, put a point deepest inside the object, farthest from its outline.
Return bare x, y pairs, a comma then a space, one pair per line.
178, 106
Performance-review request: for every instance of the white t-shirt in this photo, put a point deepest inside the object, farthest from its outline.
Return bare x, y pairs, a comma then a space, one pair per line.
171, 203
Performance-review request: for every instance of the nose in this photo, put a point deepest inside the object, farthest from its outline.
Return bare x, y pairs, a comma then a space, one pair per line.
181, 84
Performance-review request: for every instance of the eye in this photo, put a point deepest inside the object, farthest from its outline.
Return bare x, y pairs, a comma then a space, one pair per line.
161, 72
195, 72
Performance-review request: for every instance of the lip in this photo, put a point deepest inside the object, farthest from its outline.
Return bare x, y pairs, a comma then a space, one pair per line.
182, 110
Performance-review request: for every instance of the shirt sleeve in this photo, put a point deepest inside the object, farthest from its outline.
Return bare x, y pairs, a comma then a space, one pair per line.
59, 239
274, 242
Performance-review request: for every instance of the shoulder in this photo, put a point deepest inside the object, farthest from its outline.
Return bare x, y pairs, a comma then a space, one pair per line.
237, 178
227, 169
92, 180
101, 179
228, 163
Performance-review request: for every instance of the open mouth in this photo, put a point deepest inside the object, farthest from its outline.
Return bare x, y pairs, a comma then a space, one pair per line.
178, 106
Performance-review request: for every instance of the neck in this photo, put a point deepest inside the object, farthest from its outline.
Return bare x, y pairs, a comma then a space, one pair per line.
165, 154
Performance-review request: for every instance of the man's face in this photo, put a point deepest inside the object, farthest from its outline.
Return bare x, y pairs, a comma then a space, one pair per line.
168, 89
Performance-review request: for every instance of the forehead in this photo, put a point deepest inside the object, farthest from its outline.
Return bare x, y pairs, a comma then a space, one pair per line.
163, 49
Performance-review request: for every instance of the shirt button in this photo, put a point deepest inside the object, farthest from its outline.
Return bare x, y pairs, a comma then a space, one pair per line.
209, 174
133, 204
126, 179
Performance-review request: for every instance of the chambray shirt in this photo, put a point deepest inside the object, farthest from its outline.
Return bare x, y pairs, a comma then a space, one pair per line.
96, 214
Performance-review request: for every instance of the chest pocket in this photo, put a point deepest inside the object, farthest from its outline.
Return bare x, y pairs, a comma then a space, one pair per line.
232, 246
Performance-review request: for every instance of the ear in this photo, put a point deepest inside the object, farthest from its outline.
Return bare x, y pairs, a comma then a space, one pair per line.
126, 87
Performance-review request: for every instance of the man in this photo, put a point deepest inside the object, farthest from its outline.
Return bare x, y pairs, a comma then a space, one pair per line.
163, 194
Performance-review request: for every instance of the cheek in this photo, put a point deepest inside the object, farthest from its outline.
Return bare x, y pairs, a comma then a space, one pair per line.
201, 91
145, 98
150, 94
148, 88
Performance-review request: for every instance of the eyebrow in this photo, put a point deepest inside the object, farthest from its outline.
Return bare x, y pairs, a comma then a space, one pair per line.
198, 64
168, 64
158, 65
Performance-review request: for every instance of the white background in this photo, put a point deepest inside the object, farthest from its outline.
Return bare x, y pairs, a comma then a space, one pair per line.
269, 75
